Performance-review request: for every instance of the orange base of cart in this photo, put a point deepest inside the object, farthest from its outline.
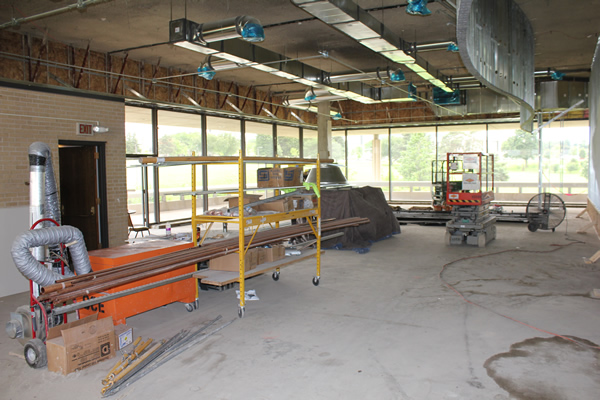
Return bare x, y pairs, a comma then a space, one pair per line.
119, 309
469, 198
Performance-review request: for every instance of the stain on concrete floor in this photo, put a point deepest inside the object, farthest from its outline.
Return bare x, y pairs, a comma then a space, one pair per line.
547, 369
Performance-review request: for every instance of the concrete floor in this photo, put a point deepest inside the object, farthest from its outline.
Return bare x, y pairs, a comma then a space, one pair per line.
381, 325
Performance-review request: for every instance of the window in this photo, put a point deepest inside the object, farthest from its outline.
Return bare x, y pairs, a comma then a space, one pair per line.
138, 131
565, 159
310, 141
367, 152
179, 134
412, 154
223, 138
259, 142
288, 141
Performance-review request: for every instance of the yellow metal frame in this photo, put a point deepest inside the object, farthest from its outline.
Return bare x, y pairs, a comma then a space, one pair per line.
313, 215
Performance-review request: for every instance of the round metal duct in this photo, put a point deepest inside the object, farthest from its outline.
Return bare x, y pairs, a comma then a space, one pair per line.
330, 174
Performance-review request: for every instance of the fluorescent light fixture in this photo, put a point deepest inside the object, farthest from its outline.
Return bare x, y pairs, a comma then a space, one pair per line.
308, 82
378, 44
416, 68
264, 68
398, 100
398, 56
196, 47
286, 75
232, 58
357, 30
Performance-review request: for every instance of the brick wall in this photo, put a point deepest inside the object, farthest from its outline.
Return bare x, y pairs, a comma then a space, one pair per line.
50, 117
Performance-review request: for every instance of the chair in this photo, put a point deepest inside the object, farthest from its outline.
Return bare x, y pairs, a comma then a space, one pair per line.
137, 230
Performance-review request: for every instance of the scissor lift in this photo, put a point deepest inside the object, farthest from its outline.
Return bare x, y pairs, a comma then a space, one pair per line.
469, 190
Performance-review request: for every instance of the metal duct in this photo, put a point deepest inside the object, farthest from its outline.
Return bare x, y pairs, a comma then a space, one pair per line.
480, 101
348, 18
37, 272
554, 95
226, 29
496, 45
40, 165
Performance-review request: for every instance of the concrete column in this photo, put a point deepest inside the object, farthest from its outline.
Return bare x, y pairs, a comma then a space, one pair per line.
324, 130
376, 158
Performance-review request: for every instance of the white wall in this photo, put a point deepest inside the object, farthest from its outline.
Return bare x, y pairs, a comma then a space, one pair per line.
14, 221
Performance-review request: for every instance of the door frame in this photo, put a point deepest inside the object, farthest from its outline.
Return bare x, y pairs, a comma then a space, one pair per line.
101, 183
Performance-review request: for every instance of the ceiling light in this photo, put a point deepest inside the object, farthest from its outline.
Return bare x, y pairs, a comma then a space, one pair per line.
557, 76
417, 7
253, 32
206, 70
310, 95
336, 116
396, 76
452, 47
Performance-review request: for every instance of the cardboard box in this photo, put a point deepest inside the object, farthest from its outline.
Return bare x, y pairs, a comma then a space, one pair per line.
248, 198
252, 258
80, 344
123, 336
292, 176
282, 205
261, 256
273, 253
269, 177
231, 262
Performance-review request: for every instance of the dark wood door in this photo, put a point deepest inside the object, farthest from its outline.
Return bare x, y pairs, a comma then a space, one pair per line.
78, 191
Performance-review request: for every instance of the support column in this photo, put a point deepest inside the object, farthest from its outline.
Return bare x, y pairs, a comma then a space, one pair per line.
376, 158
324, 130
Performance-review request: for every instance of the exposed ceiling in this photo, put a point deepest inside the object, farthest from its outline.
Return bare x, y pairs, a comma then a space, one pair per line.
565, 33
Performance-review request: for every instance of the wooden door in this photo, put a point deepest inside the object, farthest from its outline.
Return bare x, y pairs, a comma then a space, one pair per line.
78, 191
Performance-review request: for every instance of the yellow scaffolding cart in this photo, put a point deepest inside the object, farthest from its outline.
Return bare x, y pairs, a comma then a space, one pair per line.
253, 222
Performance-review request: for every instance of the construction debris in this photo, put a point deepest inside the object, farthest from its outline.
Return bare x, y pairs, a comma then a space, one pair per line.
151, 358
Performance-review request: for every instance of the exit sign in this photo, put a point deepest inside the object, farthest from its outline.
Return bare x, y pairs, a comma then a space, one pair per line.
85, 129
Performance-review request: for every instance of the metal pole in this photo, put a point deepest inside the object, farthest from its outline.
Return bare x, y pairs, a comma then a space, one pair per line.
241, 225
540, 153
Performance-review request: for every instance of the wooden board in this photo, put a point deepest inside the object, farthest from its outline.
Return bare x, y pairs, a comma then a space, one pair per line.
222, 278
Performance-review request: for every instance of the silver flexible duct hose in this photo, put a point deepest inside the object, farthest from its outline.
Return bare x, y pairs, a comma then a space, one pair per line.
41, 152
32, 269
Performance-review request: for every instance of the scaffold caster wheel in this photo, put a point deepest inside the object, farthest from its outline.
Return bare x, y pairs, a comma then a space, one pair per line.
241, 312
316, 281
275, 276
189, 307
35, 353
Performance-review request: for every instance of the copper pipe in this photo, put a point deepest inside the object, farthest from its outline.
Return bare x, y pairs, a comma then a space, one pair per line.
103, 280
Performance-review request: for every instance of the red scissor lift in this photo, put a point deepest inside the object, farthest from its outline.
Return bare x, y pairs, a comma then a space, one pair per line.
469, 190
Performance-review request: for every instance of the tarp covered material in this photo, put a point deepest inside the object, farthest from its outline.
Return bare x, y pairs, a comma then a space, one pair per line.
365, 202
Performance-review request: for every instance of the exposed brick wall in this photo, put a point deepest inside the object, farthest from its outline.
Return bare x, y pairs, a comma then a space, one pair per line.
60, 114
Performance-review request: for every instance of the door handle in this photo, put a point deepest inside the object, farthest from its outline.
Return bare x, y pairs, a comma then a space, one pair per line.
93, 210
